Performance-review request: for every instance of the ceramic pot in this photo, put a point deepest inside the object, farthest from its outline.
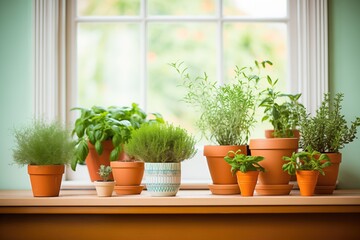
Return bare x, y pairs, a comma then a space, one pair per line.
45, 180
273, 150
247, 182
326, 184
93, 160
162, 179
104, 189
127, 176
307, 181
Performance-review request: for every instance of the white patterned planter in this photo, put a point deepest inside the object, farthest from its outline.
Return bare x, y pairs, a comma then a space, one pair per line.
162, 179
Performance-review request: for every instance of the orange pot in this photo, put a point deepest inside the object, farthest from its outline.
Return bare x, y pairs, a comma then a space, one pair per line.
307, 181
46, 179
247, 182
273, 150
127, 173
93, 160
326, 184
220, 170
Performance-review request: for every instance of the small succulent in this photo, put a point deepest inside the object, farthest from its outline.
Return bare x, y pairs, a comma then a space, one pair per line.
104, 172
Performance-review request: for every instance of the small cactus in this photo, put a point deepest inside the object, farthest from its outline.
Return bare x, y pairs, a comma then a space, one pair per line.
104, 172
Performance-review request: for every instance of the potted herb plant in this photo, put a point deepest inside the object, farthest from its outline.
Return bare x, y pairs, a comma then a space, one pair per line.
45, 148
227, 117
104, 187
328, 132
247, 170
283, 112
162, 147
306, 165
102, 132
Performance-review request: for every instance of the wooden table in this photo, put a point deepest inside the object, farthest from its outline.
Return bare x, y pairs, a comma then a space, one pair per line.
192, 214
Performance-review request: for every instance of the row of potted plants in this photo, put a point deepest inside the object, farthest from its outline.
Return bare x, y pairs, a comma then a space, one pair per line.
227, 118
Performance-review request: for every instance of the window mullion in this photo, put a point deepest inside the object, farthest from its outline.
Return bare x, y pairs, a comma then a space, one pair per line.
143, 52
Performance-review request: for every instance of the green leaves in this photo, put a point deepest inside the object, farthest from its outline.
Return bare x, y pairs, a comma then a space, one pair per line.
99, 124
243, 163
308, 159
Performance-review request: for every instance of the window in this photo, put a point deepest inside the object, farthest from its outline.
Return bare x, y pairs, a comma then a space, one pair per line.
117, 53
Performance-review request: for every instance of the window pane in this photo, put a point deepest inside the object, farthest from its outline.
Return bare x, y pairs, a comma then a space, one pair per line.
108, 64
193, 43
246, 42
108, 7
182, 7
255, 8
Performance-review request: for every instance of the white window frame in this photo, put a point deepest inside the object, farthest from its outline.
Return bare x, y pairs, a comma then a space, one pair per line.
55, 55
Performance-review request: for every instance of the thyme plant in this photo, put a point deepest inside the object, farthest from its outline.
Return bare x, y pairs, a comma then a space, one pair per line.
228, 110
328, 130
163, 143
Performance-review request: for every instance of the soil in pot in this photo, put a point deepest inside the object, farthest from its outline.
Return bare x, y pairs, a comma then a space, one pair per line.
45, 180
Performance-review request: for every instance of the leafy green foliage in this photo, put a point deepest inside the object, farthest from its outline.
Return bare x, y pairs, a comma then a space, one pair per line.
284, 116
43, 143
99, 124
163, 143
306, 160
104, 172
243, 163
328, 130
227, 111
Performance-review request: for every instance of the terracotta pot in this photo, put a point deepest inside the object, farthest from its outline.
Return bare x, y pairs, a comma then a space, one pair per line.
46, 179
273, 150
104, 189
220, 170
326, 184
247, 182
307, 181
163, 179
127, 176
93, 160
270, 133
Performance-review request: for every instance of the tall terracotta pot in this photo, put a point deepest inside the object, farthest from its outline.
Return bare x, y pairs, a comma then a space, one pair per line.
94, 160
128, 177
307, 181
326, 184
45, 180
224, 182
247, 182
274, 181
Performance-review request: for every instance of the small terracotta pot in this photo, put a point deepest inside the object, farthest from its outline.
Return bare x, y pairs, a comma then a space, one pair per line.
247, 182
46, 179
93, 160
127, 176
270, 133
104, 189
327, 183
307, 181
220, 170
273, 150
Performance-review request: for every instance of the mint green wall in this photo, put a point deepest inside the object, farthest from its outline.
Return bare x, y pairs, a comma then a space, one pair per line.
16, 80
15, 84
344, 62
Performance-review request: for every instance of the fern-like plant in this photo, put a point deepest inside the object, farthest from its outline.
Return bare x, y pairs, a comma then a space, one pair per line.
228, 110
163, 143
42, 143
328, 130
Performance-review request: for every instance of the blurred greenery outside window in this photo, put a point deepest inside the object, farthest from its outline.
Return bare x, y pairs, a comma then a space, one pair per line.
123, 48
